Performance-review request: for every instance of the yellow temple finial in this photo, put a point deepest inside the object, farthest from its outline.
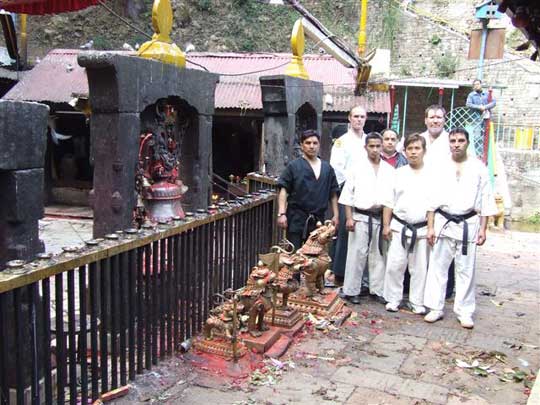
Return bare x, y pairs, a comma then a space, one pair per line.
296, 67
161, 47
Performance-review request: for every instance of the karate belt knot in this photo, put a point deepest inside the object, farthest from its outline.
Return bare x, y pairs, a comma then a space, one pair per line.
372, 214
413, 228
305, 232
457, 219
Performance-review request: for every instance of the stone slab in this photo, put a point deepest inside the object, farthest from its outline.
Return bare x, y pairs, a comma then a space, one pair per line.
303, 390
377, 358
400, 343
391, 384
368, 396
23, 135
422, 329
279, 348
22, 195
262, 343
121, 83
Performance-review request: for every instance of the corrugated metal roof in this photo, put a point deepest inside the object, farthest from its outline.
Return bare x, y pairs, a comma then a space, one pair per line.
55, 79
244, 91
58, 76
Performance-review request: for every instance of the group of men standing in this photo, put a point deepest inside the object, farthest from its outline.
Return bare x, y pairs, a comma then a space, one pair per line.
424, 197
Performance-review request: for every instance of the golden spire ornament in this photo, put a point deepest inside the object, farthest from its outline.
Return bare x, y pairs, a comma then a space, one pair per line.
161, 47
296, 67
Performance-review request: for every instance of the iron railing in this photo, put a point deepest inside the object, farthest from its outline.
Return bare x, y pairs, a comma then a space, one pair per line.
83, 323
258, 182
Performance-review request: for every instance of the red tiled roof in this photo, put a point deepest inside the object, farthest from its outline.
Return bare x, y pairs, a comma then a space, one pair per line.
58, 76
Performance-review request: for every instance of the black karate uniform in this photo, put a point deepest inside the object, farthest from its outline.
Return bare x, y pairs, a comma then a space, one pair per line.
308, 197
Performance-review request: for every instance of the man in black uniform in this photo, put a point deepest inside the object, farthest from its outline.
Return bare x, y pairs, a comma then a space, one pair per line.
305, 187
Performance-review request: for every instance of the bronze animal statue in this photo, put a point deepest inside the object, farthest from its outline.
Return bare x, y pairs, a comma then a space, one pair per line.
221, 319
255, 298
316, 257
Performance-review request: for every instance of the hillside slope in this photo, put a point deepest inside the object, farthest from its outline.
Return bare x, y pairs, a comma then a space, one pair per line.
210, 25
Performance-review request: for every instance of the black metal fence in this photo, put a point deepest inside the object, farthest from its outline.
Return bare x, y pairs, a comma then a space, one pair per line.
258, 182
84, 323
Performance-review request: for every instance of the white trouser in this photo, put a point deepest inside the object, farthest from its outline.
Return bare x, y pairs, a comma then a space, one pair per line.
444, 251
396, 263
358, 254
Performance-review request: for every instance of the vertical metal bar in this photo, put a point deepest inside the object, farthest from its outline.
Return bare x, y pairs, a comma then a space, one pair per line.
245, 253
231, 257
169, 293
114, 291
190, 277
184, 237
148, 306
235, 251
60, 338
212, 266
132, 274
140, 308
4, 388
405, 97
103, 330
123, 291
175, 294
218, 259
46, 343
72, 338
19, 349
155, 302
33, 299
252, 260
82, 334
161, 291
94, 311
198, 278
205, 251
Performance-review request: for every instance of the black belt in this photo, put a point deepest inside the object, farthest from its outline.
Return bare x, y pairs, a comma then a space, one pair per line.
413, 228
310, 218
457, 219
372, 214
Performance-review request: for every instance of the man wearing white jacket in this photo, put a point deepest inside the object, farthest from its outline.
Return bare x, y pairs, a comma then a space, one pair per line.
405, 225
462, 200
366, 185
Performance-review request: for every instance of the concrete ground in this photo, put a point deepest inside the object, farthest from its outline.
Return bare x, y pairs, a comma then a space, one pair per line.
393, 358
378, 357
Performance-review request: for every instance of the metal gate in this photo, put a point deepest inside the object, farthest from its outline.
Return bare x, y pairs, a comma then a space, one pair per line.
472, 121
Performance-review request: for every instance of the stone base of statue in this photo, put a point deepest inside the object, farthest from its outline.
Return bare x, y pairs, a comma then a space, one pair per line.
262, 343
219, 346
326, 306
286, 318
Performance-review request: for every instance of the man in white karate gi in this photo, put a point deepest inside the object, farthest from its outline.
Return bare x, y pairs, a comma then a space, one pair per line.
366, 185
462, 200
405, 225
346, 150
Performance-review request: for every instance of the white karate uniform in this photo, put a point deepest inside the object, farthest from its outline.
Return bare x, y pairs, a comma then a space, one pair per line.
457, 196
347, 149
409, 201
365, 190
436, 150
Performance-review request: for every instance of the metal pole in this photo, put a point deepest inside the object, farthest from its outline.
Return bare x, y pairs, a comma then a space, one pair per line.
362, 28
405, 111
487, 124
441, 93
482, 49
452, 105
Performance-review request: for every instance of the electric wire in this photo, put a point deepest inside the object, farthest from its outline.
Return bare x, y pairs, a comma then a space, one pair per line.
396, 5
